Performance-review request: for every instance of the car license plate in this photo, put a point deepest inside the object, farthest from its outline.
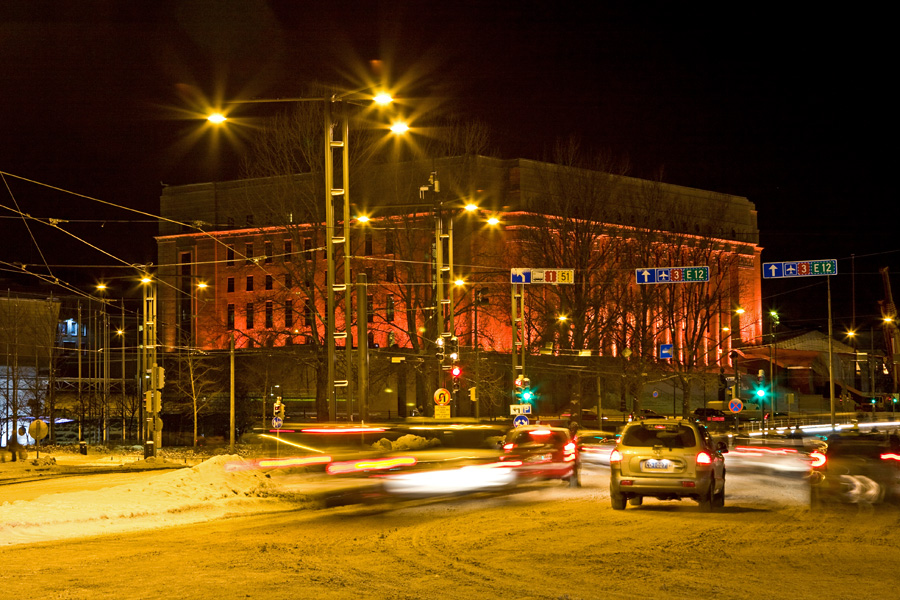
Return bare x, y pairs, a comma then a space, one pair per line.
659, 465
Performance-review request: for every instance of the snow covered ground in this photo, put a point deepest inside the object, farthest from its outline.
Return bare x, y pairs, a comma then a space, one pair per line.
548, 542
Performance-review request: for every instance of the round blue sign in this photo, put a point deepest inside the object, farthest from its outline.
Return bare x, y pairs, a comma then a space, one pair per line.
520, 420
277, 422
736, 405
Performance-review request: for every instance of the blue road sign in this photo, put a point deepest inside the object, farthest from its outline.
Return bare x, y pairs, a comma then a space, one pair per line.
520, 275
277, 422
799, 268
650, 275
736, 405
520, 420
665, 351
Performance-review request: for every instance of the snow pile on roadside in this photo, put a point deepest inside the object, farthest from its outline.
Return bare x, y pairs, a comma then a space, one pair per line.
405, 443
206, 490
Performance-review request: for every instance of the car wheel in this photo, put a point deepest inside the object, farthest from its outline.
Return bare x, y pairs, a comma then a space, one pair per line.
719, 499
815, 500
636, 500
618, 501
705, 499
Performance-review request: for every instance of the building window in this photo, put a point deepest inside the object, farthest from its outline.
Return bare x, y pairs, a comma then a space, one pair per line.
249, 322
308, 249
268, 282
268, 251
371, 338
231, 284
370, 275
388, 243
307, 313
389, 274
288, 314
389, 308
231, 222
248, 253
289, 341
230, 317
249, 221
367, 250
270, 315
370, 308
288, 281
288, 250
249, 283
229, 255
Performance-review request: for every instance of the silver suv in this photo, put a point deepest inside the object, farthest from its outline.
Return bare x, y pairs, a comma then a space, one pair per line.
668, 459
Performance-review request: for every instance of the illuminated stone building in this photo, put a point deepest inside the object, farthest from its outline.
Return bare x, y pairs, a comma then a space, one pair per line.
262, 259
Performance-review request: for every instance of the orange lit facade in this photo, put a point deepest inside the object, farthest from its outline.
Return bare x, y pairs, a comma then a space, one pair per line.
264, 274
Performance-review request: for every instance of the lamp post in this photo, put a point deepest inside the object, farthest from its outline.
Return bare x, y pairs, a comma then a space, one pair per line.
337, 149
150, 368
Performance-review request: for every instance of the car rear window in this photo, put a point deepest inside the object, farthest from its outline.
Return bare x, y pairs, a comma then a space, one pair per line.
530, 437
670, 436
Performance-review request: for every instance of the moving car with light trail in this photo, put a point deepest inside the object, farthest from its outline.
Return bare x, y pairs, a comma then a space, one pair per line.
541, 452
856, 468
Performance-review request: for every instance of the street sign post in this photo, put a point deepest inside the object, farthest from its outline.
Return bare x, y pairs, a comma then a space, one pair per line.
652, 275
442, 397
799, 268
552, 276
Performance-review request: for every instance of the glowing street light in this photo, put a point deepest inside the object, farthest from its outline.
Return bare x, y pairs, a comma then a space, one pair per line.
216, 118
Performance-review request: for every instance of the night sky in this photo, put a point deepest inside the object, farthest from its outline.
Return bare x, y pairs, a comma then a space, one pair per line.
789, 109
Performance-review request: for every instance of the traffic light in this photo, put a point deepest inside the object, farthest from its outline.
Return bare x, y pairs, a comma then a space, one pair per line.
278, 409
453, 348
456, 371
439, 354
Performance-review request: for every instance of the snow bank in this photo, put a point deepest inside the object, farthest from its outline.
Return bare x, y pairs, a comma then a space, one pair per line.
207, 490
405, 443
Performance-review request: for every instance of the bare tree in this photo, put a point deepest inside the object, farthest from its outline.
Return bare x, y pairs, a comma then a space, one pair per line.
196, 381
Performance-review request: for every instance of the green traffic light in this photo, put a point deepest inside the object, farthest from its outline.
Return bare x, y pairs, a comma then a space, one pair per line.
761, 393
527, 395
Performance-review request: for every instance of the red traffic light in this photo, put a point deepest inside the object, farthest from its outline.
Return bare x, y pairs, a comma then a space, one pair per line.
456, 371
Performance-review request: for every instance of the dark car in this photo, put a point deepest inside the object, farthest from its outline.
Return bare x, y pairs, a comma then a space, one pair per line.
856, 468
542, 452
709, 415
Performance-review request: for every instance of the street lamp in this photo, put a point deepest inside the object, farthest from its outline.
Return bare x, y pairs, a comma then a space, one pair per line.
336, 146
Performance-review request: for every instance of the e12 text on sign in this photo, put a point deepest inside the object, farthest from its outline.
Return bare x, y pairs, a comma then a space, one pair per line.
799, 268
672, 275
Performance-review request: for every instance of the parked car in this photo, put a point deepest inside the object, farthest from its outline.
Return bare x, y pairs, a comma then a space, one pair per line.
542, 452
668, 459
709, 414
856, 468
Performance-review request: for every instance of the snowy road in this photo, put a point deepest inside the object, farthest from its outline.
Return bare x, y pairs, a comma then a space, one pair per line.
553, 543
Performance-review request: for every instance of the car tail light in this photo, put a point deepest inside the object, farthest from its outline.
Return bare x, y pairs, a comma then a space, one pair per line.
890, 456
817, 459
703, 458
615, 456
508, 447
